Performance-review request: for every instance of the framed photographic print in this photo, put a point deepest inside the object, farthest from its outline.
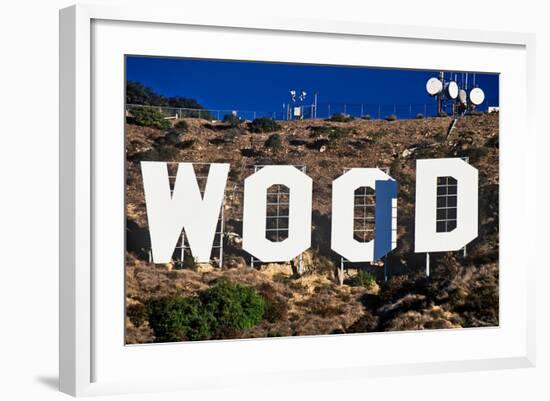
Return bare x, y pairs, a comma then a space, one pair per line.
315, 200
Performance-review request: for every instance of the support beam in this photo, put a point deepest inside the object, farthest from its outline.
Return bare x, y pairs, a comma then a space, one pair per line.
427, 264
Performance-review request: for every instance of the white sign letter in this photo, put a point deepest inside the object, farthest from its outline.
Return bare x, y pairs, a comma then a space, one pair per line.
343, 207
254, 213
446, 205
168, 214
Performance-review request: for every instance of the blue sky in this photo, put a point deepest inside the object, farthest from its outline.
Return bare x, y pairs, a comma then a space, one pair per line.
243, 85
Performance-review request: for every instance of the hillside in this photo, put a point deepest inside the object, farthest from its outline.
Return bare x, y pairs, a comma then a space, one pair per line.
461, 292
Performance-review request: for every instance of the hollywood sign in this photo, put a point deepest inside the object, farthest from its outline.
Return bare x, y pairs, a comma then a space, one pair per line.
446, 190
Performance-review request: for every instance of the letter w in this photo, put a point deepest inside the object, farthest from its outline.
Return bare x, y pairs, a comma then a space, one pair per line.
170, 212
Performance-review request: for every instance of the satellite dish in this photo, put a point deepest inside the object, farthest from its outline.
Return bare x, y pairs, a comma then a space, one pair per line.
434, 86
462, 96
451, 89
477, 96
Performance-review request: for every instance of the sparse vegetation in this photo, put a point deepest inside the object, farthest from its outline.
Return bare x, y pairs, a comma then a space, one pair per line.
341, 118
170, 304
188, 262
492, 142
474, 154
391, 117
149, 117
375, 136
337, 134
276, 307
427, 152
330, 132
232, 120
361, 279
274, 142
137, 313
264, 124
181, 126
419, 116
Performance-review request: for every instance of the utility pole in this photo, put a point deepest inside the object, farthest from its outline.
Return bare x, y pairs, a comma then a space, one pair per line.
440, 96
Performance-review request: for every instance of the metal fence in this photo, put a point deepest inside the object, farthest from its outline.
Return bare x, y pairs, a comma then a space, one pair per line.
319, 111
383, 111
208, 114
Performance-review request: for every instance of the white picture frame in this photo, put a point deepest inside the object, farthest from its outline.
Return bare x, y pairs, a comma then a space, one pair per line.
91, 363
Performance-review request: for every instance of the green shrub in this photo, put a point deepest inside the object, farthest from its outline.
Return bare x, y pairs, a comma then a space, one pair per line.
234, 306
147, 117
341, 118
264, 124
361, 279
274, 142
217, 312
391, 117
179, 318
419, 116
232, 120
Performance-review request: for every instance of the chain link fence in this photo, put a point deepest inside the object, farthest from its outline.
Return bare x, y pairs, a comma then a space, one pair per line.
319, 111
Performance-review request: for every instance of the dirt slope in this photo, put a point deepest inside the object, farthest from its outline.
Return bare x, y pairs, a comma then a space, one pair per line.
462, 291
